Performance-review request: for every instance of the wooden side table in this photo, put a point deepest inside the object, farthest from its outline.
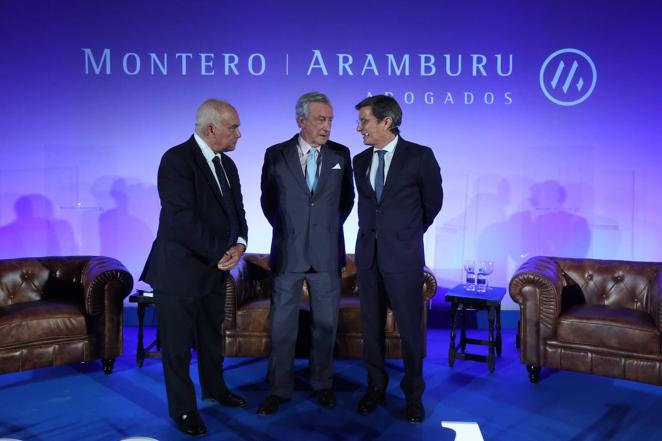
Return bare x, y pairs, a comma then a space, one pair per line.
490, 300
144, 301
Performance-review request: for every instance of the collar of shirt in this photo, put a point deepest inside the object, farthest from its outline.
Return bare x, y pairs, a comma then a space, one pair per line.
388, 148
304, 147
206, 150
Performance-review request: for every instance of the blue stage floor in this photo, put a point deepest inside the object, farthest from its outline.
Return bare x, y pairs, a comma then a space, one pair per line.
79, 402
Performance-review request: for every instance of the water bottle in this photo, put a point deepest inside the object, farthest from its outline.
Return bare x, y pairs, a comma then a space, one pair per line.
485, 268
481, 281
470, 281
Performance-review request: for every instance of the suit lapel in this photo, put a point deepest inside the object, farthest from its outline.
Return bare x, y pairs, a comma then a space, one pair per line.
364, 160
203, 167
235, 188
291, 153
329, 159
397, 164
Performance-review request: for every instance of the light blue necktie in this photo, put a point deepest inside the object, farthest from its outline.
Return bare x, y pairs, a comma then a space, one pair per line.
379, 176
311, 169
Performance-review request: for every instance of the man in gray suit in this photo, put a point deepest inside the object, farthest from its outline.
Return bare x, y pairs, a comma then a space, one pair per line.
307, 193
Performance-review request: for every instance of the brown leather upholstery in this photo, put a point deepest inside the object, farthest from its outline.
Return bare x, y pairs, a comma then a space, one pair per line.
596, 316
58, 310
246, 325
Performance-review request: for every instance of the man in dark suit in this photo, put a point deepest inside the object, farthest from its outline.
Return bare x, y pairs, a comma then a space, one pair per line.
202, 234
400, 193
307, 193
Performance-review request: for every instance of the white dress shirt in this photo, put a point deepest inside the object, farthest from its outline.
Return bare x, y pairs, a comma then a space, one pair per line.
209, 155
388, 157
304, 148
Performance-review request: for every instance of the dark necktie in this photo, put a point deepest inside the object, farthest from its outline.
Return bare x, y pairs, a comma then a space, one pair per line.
228, 201
379, 176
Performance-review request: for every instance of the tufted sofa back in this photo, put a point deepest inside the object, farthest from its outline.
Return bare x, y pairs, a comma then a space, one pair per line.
34, 279
621, 284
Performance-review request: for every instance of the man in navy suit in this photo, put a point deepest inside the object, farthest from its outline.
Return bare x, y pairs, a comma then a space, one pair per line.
202, 234
399, 188
307, 193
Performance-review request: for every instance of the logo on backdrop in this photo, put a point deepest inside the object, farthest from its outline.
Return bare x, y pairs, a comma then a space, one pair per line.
568, 77
445, 68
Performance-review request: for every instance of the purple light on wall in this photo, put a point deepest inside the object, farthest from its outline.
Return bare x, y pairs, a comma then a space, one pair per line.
94, 94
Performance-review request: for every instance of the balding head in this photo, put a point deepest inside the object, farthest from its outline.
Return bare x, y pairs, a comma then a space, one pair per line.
217, 122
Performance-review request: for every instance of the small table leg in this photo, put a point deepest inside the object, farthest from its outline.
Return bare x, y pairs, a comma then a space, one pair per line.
451, 349
463, 328
491, 344
140, 351
498, 330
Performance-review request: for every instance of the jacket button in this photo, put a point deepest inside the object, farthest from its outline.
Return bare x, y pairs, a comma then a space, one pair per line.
378, 211
312, 204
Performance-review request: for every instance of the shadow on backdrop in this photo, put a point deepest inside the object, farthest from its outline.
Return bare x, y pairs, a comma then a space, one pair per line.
35, 230
541, 225
122, 233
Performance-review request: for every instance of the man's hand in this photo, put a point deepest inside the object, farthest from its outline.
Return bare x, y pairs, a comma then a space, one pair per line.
231, 257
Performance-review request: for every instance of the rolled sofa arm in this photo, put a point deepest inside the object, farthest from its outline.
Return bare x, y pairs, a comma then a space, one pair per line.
545, 276
536, 286
429, 284
248, 281
103, 275
234, 282
656, 307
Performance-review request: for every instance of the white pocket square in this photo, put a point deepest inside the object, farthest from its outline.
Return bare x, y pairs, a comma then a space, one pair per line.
336, 167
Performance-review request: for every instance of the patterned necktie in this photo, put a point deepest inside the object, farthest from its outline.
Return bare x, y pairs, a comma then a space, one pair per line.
311, 169
228, 201
379, 176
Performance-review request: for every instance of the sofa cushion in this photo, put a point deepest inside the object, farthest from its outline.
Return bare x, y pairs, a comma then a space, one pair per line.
349, 317
609, 327
254, 316
30, 323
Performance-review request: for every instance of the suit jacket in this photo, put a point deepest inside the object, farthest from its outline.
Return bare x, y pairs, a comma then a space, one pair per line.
193, 229
392, 231
299, 217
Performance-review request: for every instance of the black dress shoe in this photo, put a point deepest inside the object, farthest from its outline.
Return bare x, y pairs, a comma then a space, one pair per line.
415, 411
370, 401
326, 398
228, 399
270, 405
191, 424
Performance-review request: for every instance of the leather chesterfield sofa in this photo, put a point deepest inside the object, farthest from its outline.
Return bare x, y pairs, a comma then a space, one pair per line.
59, 310
596, 316
246, 325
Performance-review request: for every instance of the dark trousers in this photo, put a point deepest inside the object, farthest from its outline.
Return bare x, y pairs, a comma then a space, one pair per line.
324, 302
403, 291
184, 323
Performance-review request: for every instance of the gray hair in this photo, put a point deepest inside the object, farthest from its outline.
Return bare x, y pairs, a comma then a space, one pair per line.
304, 102
210, 112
